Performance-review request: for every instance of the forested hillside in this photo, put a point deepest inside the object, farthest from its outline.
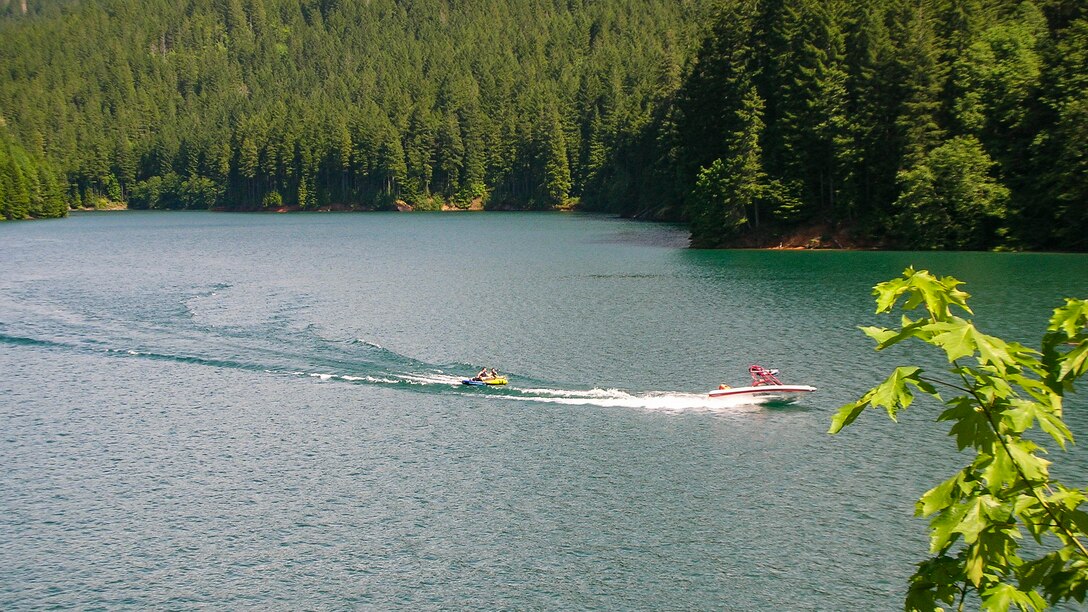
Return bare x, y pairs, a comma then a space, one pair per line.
251, 104
29, 187
959, 124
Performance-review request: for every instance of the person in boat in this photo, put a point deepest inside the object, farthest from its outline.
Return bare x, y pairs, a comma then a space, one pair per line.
724, 386
494, 373
482, 375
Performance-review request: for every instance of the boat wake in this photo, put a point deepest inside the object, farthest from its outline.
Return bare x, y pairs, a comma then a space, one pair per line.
299, 351
664, 401
364, 363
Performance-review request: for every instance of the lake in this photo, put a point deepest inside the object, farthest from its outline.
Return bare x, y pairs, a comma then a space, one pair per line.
265, 411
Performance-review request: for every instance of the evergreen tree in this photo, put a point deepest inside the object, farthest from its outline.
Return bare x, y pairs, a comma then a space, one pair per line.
872, 105
923, 75
728, 194
1060, 151
557, 181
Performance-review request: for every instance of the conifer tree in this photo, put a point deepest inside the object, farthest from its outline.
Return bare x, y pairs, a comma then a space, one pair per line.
923, 75
728, 194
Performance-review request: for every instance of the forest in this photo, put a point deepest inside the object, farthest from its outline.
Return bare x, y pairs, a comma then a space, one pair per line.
258, 104
29, 187
926, 124
947, 124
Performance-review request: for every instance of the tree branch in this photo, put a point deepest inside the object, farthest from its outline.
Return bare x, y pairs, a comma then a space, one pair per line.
988, 411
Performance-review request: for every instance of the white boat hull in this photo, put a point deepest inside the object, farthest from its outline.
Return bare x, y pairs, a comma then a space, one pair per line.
764, 391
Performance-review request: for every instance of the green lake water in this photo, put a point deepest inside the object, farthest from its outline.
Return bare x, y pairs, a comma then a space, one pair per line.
265, 411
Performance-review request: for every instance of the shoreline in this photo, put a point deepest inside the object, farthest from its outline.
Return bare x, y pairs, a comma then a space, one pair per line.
815, 237
810, 238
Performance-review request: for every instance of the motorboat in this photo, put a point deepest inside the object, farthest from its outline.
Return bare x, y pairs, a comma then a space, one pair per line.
765, 386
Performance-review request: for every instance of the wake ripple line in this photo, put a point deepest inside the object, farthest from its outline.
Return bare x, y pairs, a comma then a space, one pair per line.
433, 381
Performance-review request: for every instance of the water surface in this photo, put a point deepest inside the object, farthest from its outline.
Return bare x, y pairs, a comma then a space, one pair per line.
249, 411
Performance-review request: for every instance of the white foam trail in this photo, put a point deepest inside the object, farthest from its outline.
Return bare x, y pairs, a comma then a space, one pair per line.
414, 379
665, 402
572, 393
373, 379
324, 376
432, 379
125, 351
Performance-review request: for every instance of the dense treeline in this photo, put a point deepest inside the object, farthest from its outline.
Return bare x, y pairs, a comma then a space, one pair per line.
29, 187
250, 104
921, 124
956, 124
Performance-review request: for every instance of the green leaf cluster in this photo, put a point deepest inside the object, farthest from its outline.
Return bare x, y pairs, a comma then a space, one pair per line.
998, 391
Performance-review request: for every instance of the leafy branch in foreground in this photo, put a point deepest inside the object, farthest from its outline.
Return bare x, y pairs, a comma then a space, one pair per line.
1001, 390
